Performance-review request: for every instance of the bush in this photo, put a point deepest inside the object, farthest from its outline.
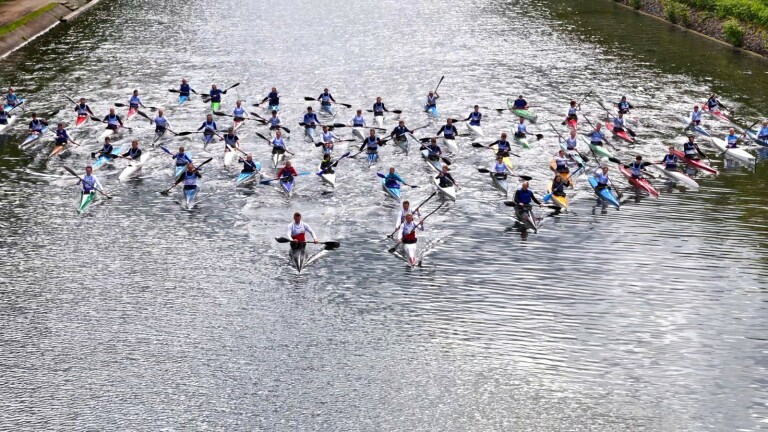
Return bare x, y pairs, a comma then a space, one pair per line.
734, 33
676, 12
750, 11
635, 4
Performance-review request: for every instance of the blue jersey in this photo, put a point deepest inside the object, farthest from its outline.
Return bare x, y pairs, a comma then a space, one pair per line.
182, 159
215, 95
274, 98
311, 118
61, 136
184, 90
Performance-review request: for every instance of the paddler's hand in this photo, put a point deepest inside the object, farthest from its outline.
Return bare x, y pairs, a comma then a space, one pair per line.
315, 241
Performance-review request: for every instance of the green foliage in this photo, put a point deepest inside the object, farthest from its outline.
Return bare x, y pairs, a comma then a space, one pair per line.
734, 33
676, 12
25, 19
636, 4
749, 11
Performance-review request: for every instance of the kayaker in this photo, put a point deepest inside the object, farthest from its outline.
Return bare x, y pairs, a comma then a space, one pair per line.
37, 124
408, 229
161, 123
445, 178
326, 165
90, 182
670, 160
310, 119
448, 130
249, 165
378, 107
358, 120
393, 180
82, 109
637, 167
184, 88
500, 167
623, 106
231, 141
4, 115
762, 134
524, 196
62, 137
273, 97
572, 110
521, 129
502, 145
287, 171
297, 231
690, 148
695, 116
558, 186
114, 122
596, 137
328, 138
432, 98
400, 130
11, 98
372, 143
601, 175
405, 211
278, 143
520, 103
274, 121
326, 98
433, 150
105, 149
135, 101
208, 127
238, 112
189, 177
618, 123
714, 104
475, 116
133, 153
732, 140
215, 94
181, 158
561, 162
572, 141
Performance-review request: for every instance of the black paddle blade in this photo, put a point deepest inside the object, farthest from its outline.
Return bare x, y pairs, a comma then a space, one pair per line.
173, 90
219, 113
525, 177
393, 248
71, 171
282, 240
483, 170
397, 111
345, 105
614, 160
331, 245
119, 105
477, 145
510, 203
307, 98
262, 137
184, 133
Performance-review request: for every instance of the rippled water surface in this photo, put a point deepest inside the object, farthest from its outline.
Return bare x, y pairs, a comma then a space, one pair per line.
139, 315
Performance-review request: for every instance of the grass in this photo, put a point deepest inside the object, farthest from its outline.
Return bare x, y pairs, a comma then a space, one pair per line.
749, 11
26, 18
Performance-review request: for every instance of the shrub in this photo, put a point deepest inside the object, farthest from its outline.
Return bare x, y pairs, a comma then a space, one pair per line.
676, 12
635, 4
734, 33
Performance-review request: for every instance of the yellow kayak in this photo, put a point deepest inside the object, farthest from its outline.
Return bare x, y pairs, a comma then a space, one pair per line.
507, 161
559, 201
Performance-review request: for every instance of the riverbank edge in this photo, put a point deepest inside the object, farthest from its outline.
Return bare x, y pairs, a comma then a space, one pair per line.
21, 36
704, 25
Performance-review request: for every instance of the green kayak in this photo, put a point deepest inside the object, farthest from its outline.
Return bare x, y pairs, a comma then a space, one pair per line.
85, 200
524, 113
600, 151
215, 106
522, 141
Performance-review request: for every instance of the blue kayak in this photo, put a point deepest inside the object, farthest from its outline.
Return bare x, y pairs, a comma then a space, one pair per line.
183, 99
699, 130
189, 197
274, 108
32, 137
247, 177
287, 185
604, 194
327, 108
10, 107
432, 111
102, 159
753, 136
372, 158
393, 192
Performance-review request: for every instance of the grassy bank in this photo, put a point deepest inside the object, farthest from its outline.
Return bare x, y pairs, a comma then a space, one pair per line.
750, 11
27, 18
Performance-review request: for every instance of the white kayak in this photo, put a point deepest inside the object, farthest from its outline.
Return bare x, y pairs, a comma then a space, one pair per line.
410, 253
277, 158
134, 166
230, 157
11, 120
32, 137
378, 121
106, 133
404, 143
448, 192
500, 182
329, 178
734, 153
677, 177
360, 132
475, 130
434, 164
451, 144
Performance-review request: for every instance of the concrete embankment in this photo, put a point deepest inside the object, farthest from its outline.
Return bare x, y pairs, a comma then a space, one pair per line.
23, 20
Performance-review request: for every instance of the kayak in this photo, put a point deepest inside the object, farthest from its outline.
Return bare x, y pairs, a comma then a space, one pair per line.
81, 119
215, 106
131, 113
409, 252
641, 183
572, 124
85, 200
329, 178
57, 148
328, 109
697, 128
189, 197
434, 164
134, 166
11, 121
229, 157
372, 158
271, 108
753, 136
8, 107
310, 133
378, 121
622, 134
393, 192
558, 201
735, 153
177, 171
678, 177
448, 191
106, 133
699, 165
432, 111
104, 160
524, 113
236, 125
521, 141
507, 161
719, 114
299, 257
599, 150
277, 158
450, 143
359, 132
403, 143
183, 99
475, 130
574, 154
245, 178
287, 185
565, 175
500, 182
158, 137
604, 194
528, 219
32, 137
207, 139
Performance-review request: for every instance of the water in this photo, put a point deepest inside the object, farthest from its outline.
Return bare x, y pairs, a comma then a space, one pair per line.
141, 315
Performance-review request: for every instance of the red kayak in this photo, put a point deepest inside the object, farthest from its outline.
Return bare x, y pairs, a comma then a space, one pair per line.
572, 123
699, 165
642, 183
623, 134
131, 113
719, 114
80, 120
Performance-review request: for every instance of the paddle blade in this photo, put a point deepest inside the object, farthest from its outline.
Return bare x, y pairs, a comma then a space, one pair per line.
262, 136
331, 245
163, 148
184, 133
476, 145
71, 171
483, 170
510, 203
525, 177
285, 129
219, 113
119, 105
345, 105
173, 90
393, 248
381, 175
282, 240
308, 98
397, 111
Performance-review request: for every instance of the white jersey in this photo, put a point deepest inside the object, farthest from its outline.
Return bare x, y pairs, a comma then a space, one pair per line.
403, 212
696, 115
522, 128
571, 143
300, 228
